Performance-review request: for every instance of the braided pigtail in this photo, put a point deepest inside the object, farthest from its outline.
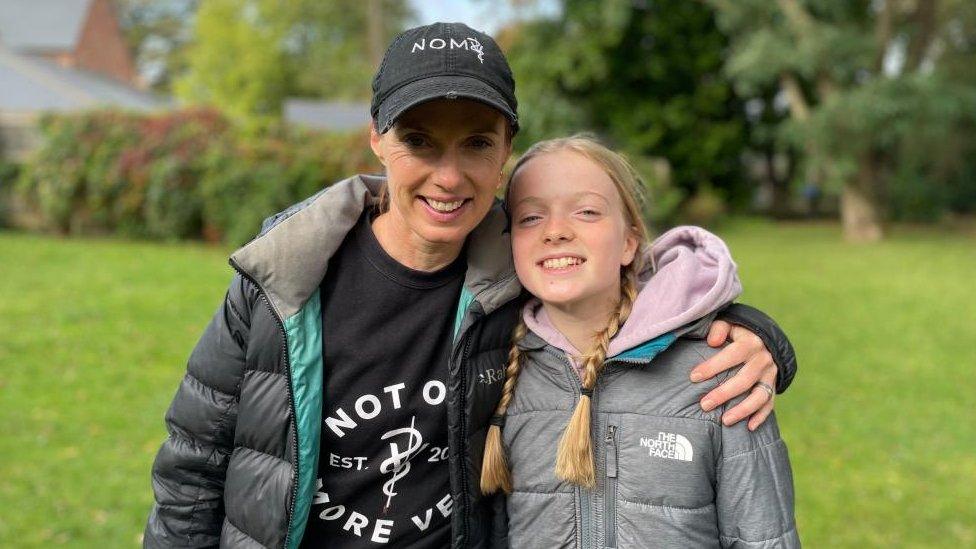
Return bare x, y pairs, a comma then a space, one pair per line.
495, 474
574, 459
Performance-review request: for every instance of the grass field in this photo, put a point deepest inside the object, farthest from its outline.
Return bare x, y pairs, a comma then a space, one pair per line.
880, 421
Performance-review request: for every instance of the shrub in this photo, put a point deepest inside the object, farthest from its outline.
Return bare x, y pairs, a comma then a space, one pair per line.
705, 208
8, 174
247, 180
184, 174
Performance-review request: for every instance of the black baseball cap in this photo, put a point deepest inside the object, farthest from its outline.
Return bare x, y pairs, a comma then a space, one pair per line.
441, 61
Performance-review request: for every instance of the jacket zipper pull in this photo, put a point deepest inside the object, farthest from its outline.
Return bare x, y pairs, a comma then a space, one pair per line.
611, 440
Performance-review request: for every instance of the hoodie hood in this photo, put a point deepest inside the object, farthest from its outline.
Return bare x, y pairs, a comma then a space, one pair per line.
688, 275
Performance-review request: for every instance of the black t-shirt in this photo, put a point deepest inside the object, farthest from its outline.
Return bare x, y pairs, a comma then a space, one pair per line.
383, 474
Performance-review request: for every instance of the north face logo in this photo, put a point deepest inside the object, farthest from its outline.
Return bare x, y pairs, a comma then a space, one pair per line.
668, 446
439, 43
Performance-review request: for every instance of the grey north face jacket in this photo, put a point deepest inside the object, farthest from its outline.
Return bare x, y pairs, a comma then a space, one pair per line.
668, 474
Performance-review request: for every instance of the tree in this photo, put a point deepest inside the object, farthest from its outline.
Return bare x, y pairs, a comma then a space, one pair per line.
237, 60
157, 32
248, 55
333, 48
864, 79
646, 75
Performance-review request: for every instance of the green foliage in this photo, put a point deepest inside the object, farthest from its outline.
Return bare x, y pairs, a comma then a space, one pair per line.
247, 180
660, 199
237, 60
8, 175
188, 174
645, 75
879, 98
705, 208
157, 32
247, 56
331, 52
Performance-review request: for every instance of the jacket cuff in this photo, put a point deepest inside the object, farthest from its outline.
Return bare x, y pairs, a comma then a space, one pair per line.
771, 335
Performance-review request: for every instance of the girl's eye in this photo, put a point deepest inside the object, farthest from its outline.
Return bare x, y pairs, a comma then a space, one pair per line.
526, 219
589, 212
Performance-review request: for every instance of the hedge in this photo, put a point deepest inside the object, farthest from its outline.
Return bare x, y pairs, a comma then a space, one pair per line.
178, 175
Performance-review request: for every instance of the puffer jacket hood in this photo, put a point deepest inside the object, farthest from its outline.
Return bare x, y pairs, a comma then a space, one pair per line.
688, 274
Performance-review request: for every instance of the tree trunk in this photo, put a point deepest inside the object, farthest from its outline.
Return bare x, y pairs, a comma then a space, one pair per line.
859, 206
374, 31
780, 186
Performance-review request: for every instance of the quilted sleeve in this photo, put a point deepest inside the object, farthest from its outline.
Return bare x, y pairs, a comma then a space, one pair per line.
772, 336
754, 488
189, 470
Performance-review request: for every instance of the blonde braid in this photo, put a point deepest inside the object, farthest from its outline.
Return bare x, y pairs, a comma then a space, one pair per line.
574, 459
495, 474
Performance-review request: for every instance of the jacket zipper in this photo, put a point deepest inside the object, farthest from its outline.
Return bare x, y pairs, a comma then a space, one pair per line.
464, 437
585, 532
291, 398
462, 506
610, 518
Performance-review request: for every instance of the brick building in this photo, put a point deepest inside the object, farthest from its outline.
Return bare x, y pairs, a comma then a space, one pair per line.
62, 55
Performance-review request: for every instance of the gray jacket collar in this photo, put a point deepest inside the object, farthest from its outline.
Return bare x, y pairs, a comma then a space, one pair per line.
289, 259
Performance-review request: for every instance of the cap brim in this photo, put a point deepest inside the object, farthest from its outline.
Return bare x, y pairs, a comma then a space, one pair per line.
440, 87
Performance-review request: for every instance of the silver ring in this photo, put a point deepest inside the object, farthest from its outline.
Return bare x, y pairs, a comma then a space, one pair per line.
765, 387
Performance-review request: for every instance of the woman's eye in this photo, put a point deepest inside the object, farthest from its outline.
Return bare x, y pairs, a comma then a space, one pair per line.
415, 140
481, 143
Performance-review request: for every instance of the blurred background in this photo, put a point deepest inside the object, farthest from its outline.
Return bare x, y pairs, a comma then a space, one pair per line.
832, 143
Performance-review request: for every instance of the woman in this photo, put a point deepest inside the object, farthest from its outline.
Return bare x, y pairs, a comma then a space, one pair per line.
341, 394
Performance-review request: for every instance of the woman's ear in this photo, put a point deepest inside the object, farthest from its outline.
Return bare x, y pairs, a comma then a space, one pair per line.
376, 143
508, 154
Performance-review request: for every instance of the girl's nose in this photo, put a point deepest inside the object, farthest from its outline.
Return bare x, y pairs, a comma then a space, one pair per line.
557, 232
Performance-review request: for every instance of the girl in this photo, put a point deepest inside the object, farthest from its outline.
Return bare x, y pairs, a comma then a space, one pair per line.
605, 443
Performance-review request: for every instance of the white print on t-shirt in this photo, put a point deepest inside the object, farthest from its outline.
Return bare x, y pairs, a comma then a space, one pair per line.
341, 462
358, 463
399, 462
405, 445
356, 522
369, 406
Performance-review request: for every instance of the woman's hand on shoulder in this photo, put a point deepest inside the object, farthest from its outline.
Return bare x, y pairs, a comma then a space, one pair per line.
747, 349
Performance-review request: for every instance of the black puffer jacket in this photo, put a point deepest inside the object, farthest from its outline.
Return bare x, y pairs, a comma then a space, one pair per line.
239, 466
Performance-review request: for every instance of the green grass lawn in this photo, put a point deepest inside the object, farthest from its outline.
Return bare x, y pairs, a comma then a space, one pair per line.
880, 421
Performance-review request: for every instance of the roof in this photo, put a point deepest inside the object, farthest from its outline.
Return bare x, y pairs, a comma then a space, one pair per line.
33, 85
42, 25
327, 115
